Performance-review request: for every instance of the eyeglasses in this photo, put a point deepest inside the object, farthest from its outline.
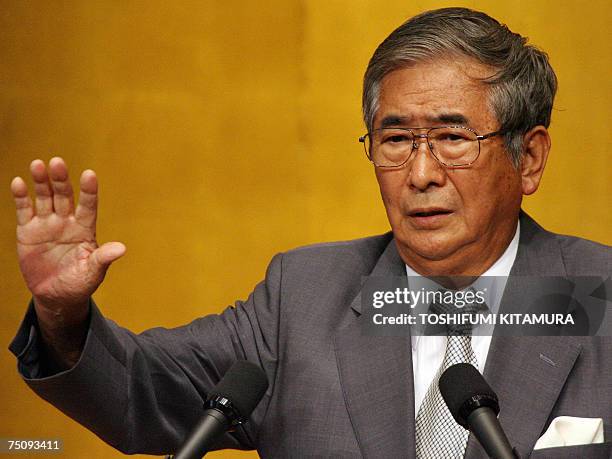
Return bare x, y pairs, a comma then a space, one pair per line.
452, 146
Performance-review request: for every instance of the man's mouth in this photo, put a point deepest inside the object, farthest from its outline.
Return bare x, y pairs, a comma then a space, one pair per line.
431, 212
429, 218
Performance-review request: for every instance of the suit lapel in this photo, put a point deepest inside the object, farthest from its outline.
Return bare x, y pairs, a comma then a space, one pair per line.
528, 373
376, 379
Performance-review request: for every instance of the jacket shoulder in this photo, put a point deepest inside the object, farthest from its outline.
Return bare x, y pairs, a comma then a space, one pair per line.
340, 259
582, 256
571, 255
364, 251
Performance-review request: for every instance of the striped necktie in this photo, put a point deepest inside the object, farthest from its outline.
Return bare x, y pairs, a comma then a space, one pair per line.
438, 436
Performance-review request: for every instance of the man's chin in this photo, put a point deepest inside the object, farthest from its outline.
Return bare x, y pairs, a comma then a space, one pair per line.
427, 248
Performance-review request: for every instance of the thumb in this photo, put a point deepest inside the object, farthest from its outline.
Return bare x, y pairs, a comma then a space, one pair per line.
104, 255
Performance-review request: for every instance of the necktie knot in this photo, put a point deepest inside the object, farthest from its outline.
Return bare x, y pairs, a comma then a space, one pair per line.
460, 315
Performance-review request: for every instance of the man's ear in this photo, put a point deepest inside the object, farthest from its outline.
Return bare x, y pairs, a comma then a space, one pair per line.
536, 145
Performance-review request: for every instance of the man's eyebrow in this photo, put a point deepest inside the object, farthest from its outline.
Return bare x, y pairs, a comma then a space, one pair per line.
446, 118
393, 120
450, 118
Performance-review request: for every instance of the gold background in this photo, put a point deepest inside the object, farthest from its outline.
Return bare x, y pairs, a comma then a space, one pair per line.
224, 132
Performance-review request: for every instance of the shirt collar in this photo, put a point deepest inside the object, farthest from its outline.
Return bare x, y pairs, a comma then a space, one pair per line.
499, 270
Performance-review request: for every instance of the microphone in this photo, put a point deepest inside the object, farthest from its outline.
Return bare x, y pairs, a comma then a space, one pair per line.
229, 403
475, 406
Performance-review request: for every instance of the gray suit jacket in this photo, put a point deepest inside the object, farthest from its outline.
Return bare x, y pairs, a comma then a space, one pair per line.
334, 392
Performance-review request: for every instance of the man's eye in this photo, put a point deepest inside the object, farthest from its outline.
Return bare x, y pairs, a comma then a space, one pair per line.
399, 138
451, 137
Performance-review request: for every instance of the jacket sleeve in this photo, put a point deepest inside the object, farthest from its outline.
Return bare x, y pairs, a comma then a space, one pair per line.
142, 393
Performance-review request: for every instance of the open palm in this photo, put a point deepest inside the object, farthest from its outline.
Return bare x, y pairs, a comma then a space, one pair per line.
56, 244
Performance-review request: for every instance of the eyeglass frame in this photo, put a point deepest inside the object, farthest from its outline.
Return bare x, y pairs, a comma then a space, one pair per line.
425, 136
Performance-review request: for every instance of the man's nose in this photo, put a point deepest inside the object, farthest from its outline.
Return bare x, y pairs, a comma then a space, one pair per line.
425, 170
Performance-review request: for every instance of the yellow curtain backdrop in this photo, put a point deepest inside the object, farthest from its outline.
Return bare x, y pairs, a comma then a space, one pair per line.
224, 132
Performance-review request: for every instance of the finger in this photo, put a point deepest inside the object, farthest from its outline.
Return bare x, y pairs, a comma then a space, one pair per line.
104, 255
63, 198
23, 202
88, 199
42, 188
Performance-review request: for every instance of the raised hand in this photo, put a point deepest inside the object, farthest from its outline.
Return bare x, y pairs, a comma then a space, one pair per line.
59, 257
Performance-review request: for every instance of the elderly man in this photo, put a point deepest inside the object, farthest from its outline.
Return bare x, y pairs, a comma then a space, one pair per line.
457, 109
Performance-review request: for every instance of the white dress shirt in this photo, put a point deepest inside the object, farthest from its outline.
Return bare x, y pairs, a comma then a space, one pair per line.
428, 351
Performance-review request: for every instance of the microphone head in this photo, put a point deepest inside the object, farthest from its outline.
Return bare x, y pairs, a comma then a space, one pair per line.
464, 389
239, 391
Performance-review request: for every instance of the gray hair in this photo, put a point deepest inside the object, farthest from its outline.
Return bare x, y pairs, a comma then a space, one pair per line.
521, 91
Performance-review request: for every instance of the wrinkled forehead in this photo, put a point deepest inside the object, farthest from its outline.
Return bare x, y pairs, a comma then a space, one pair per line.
437, 91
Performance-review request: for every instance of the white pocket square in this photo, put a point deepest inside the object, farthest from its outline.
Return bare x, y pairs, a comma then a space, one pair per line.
569, 431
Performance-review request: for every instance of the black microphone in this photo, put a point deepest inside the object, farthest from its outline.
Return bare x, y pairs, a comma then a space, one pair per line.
474, 406
229, 403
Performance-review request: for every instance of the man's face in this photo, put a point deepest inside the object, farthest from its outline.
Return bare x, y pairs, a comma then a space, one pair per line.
447, 221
